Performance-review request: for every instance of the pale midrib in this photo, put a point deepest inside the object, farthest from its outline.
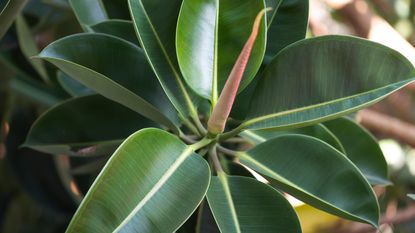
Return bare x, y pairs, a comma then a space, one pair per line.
156, 187
270, 116
166, 55
255, 136
215, 59
225, 185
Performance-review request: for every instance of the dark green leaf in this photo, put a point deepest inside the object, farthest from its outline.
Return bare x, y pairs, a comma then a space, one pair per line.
242, 205
318, 131
73, 87
90, 125
316, 173
152, 183
325, 77
210, 37
89, 12
361, 148
287, 26
120, 28
155, 23
115, 69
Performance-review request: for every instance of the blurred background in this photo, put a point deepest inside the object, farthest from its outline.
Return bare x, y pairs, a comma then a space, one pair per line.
39, 192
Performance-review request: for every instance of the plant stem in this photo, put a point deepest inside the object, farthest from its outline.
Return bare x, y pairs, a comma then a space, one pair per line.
200, 144
216, 163
199, 126
232, 133
189, 125
228, 151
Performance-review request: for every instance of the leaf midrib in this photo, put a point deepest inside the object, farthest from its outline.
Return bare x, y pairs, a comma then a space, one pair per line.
225, 184
164, 178
292, 111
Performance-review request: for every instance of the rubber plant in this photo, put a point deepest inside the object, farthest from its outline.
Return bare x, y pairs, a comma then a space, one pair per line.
181, 90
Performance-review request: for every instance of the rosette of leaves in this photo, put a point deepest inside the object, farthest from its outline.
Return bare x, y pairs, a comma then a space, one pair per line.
183, 86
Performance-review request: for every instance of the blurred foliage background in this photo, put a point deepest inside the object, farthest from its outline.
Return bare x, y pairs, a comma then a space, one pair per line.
39, 192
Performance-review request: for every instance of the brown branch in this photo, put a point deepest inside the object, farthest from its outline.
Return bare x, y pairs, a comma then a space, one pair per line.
387, 126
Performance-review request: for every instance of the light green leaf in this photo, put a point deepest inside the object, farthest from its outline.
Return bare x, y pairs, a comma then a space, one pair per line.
71, 86
325, 77
29, 48
115, 69
318, 131
412, 196
316, 173
242, 205
155, 23
210, 37
120, 28
288, 25
152, 183
8, 13
361, 148
89, 12
96, 126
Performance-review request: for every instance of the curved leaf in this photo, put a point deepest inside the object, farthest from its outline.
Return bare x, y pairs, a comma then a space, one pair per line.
89, 125
325, 77
114, 68
318, 131
155, 23
71, 86
120, 28
152, 183
316, 173
287, 26
89, 12
9, 13
361, 148
210, 37
241, 205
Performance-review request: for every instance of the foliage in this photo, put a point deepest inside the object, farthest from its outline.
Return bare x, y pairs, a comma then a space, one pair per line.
160, 102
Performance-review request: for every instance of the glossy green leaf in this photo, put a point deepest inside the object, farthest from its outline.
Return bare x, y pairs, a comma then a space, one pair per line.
325, 77
318, 131
8, 13
316, 173
152, 183
96, 126
29, 48
71, 86
89, 12
120, 28
288, 25
361, 148
155, 23
114, 68
242, 205
210, 37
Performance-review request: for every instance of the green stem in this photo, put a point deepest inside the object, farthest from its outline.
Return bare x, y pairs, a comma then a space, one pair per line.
199, 126
228, 151
232, 133
202, 143
216, 163
189, 125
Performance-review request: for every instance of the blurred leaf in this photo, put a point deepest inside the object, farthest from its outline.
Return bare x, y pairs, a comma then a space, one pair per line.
115, 69
8, 13
155, 23
29, 48
362, 149
96, 126
412, 196
325, 77
241, 204
318, 131
158, 165
210, 37
120, 28
317, 174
